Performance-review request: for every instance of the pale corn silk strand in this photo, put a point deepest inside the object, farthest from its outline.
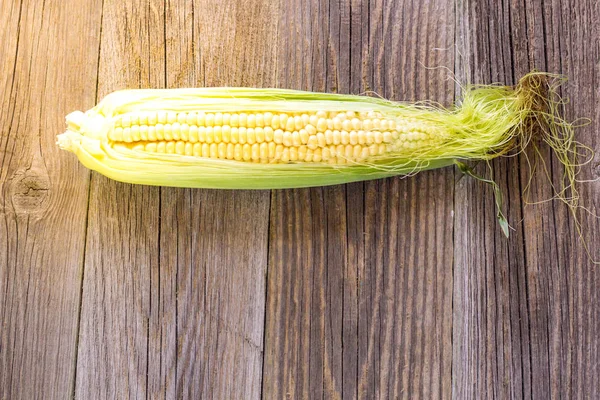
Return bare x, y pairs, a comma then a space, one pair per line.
490, 121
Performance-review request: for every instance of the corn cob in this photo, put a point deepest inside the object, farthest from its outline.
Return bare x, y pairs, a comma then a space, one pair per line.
239, 138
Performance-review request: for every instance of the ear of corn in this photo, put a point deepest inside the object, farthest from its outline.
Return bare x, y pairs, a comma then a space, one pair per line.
240, 138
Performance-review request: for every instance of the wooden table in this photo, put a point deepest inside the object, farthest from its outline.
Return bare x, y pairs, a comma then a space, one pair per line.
397, 288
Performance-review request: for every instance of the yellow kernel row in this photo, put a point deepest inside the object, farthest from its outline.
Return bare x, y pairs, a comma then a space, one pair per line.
227, 134
265, 152
319, 121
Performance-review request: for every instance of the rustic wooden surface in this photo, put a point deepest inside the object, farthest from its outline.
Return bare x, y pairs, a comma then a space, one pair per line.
398, 288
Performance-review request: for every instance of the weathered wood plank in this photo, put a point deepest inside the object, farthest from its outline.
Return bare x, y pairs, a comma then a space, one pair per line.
557, 263
216, 241
578, 322
525, 324
219, 324
43, 191
122, 249
360, 276
494, 321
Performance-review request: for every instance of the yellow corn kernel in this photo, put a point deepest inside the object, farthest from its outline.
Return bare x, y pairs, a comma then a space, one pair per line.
152, 133
317, 155
151, 147
160, 131
237, 152
287, 138
191, 119
117, 135
251, 121
302, 153
210, 134
250, 136
185, 132
209, 120
296, 138
180, 147
309, 155
234, 121
205, 150
226, 133
269, 134
218, 119
242, 132
168, 134
264, 151
303, 136
268, 118
218, 134
196, 150
322, 125
212, 150
175, 130
321, 139
243, 120
235, 135
222, 150
344, 137
259, 120
170, 147
337, 137
230, 151
272, 147
246, 152
285, 155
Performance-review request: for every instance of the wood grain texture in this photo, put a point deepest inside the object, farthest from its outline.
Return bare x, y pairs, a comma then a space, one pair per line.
359, 280
122, 247
526, 324
216, 241
43, 194
397, 288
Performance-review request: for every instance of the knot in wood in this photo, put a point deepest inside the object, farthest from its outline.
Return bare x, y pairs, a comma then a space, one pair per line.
29, 192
